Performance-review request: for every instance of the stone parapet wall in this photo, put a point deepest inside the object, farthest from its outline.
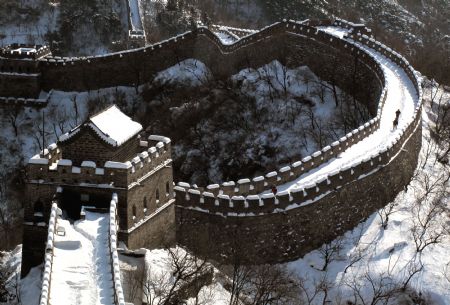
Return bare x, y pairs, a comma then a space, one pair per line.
253, 205
217, 199
48, 261
27, 102
19, 85
49, 167
115, 263
288, 226
11, 51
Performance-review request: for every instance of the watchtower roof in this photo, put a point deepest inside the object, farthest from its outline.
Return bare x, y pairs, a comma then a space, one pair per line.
111, 124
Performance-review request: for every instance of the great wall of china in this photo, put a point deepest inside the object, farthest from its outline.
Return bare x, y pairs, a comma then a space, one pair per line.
321, 196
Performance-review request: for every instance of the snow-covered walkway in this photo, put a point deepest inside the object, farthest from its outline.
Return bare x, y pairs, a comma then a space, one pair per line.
135, 16
401, 94
81, 272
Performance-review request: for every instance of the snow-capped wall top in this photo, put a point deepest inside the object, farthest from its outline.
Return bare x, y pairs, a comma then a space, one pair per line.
112, 125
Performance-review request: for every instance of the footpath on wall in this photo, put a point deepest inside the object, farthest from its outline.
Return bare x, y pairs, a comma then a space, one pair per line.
82, 263
400, 96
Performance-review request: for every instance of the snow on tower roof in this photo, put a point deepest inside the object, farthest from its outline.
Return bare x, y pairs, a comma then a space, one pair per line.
112, 125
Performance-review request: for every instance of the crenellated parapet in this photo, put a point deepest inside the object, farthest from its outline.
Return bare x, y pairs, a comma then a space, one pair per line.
224, 204
50, 167
48, 261
115, 263
24, 51
244, 190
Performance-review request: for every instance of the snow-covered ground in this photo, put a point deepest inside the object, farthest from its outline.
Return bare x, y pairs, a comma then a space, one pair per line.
81, 272
189, 72
225, 38
135, 16
388, 256
31, 32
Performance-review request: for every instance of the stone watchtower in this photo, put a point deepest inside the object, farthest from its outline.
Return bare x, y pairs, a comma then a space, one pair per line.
20, 76
109, 153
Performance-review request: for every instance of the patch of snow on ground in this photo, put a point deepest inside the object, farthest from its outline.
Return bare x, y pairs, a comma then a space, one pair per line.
225, 38
31, 33
189, 72
135, 16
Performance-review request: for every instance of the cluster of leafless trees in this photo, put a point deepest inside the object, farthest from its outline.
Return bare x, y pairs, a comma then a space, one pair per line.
426, 201
9, 282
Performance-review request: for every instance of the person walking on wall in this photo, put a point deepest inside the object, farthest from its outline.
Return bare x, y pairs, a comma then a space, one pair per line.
397, 116
274, 190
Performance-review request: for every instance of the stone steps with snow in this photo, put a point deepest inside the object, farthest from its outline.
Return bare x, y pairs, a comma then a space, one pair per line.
82, 265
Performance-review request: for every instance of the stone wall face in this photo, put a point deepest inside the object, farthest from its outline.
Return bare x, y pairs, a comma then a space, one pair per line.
33, 250
35, 227
19, 78
127, 68
157, 232
158, 228
19, 85
86, 146
280, 237
38, 192
140, 66
149, 195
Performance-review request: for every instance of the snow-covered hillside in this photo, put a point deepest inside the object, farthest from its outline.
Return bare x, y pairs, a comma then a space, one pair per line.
259, 120
404, 245
69, 27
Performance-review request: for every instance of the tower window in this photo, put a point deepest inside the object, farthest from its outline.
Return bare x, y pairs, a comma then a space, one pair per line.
38, 208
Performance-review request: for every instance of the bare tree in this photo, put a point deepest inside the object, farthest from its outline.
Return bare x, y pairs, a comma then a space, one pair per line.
414, 267
331, 251
14, 115
10, 209
271, 285
385, 212
187, 275
427, 227
372, 289
9, 283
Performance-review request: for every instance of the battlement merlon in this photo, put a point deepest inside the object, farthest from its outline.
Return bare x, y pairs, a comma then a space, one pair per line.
25, 51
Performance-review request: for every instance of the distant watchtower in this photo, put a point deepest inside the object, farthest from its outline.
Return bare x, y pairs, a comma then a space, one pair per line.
109, 153
19, 70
